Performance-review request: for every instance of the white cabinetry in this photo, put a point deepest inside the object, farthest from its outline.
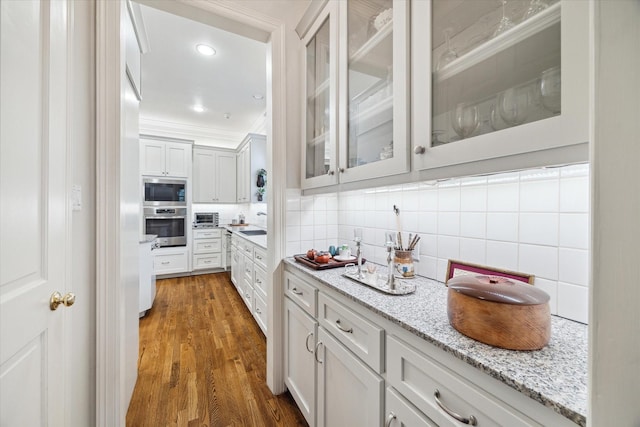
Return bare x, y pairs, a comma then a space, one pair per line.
250, 278
360, 82
324, 375
349, 392
400, 412
504, 96
207, 249
171, 260
351, 346
214, 175
251, 157
301, 331
164, 158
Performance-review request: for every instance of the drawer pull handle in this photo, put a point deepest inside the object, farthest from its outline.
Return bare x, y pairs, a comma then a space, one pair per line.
339, 325
166, 262
259, 257
315, 353
390, 418
471, 420
259, 282
306, 342
258, 311
296, 291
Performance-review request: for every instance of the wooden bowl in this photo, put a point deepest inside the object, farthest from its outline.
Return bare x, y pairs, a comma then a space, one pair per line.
499, 312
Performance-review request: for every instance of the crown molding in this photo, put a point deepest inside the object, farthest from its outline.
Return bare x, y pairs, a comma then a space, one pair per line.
199, 134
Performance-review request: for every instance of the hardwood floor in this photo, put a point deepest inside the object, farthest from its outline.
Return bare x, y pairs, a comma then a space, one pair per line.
202, 361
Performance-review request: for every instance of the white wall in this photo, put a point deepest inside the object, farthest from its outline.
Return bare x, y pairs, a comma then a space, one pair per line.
534, 221
81, 387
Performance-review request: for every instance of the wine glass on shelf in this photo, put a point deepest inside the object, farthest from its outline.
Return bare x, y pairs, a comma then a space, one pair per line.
505, 23
449, 54
535, 6
495, 120
513, 105
550, 89
465, 119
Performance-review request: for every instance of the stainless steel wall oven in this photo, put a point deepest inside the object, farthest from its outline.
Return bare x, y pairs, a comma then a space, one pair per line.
169, 223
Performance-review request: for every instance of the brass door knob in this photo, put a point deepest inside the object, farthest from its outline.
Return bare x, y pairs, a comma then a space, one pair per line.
57, 299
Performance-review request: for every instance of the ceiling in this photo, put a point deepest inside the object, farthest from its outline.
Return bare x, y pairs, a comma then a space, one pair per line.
175, 76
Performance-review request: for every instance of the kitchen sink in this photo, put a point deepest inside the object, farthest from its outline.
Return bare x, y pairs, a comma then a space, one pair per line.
254, 232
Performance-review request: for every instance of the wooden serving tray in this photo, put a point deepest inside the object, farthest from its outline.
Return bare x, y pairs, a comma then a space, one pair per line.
318, 266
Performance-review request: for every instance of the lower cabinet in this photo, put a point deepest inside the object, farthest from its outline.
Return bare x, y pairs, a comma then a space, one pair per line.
170, 260
349, 392
300, 366
331, 385
339, 357
399, 412
249, 277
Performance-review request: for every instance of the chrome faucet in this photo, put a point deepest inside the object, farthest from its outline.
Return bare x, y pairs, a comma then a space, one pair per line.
261, 213
391, 280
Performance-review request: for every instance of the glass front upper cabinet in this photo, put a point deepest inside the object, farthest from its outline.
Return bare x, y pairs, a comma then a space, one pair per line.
320, 132
507, 77
374, 68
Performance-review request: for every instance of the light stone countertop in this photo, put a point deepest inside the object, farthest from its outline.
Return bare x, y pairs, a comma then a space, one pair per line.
555, 376
258, 240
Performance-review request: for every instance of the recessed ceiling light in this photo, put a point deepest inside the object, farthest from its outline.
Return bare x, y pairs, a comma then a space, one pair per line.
198, 108
205, 50
258, 96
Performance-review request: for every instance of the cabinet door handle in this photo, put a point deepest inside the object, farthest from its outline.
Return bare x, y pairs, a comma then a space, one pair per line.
390, 418
315, 352
258, 311
330, 172
339, 325
419, 149
471, 420
296, 291
259, 257
259, 282
306, 342
341, 170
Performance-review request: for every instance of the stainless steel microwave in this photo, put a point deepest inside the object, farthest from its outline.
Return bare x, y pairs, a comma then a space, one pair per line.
164, 192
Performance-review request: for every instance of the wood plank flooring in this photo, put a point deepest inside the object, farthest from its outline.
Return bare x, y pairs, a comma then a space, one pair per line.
202, 361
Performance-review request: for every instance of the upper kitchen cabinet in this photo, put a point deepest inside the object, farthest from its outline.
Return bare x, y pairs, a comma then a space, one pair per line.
495, 81
320, 134
359, 82
251, 160
214, 175
164, 158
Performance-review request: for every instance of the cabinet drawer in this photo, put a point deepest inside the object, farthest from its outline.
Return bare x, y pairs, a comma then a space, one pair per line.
204, 261
417, 377
260, 311
246, 292
260, 281
207, 246
359, 335
209, 233
400, 412
301, 293
260, 257
170, 263
246, 248
248, 270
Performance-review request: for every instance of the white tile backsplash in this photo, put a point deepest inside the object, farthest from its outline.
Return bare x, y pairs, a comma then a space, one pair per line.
539, 228
533, 221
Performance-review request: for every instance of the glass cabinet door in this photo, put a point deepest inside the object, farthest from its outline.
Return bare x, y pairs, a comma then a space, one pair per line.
320, 152
374, 70
494, 67
498, 83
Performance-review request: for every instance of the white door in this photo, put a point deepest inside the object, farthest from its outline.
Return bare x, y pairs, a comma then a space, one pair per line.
33, 211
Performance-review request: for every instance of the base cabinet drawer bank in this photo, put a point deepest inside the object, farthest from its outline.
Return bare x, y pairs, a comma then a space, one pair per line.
248, 274
345, 364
